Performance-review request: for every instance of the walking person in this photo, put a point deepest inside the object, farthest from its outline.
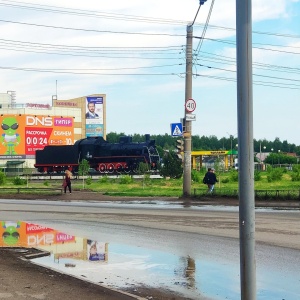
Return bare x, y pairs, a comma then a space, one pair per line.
67, 181
210, 179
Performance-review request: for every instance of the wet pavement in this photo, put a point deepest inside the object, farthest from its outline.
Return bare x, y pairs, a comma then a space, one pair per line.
207, 270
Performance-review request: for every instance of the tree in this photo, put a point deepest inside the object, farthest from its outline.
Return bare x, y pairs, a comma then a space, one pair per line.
172, 165
83, 169
279, 158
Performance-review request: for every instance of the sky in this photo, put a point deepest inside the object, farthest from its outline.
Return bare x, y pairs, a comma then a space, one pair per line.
134, 52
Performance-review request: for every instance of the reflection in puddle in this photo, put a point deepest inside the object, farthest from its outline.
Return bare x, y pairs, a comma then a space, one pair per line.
57, 243
124, 266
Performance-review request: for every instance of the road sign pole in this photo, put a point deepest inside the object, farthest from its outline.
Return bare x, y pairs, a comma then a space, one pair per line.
188, 124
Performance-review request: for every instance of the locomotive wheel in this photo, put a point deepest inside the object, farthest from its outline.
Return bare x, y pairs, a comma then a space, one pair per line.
119, 168
102, 168
110, 168
134, 168
126, 169
41, 170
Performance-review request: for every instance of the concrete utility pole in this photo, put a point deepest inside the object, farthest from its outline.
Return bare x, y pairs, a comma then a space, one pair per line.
188, 124
246, 151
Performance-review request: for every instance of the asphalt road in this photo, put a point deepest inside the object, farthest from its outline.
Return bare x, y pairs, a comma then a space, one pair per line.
205, 230
272, 227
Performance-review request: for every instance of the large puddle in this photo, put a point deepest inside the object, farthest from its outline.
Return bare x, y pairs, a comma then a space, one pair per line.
125, 266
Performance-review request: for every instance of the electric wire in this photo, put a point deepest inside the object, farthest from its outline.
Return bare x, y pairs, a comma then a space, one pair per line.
261, 48
123, 17
205, 27
92, 30
84, 51
259, 75
264, 83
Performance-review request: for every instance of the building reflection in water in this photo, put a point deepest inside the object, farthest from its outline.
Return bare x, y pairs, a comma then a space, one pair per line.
61, 245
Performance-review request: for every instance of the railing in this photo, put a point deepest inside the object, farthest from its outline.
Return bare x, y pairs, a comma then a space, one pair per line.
259, 194
23, 190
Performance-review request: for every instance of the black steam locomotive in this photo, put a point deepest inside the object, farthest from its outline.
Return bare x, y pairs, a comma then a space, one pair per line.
102, 156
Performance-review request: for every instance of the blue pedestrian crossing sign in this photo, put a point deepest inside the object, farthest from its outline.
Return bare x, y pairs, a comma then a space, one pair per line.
176, 129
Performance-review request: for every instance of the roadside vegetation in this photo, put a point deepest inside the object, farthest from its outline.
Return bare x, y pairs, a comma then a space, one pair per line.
144, 186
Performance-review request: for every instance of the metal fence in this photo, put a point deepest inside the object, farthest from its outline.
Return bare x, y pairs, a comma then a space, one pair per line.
259, 194
23, 190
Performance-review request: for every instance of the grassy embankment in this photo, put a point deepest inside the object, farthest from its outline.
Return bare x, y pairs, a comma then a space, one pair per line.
126, 186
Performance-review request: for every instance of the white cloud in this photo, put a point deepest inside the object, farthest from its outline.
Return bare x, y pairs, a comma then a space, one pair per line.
152, 97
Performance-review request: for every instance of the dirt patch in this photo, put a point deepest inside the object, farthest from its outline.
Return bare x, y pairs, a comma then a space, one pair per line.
94, 196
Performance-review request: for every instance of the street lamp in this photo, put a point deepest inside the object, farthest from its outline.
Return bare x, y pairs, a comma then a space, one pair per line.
272, 156
279, 158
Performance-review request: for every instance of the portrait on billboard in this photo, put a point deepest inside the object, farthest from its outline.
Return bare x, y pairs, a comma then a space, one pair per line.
96, 251
91, 110
94, 116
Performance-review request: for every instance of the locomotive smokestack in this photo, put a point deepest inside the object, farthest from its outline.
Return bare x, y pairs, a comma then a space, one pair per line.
147, 137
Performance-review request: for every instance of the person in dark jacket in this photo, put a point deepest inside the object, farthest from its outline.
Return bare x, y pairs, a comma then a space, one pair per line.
210, 179
67, 181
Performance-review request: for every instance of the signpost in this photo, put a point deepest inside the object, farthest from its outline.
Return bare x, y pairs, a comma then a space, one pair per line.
176, 129
190, 105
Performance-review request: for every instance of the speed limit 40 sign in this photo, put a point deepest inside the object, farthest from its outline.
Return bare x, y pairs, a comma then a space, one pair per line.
190, 105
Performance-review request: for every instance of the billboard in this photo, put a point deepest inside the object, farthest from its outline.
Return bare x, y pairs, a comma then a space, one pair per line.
22, 135
94, 116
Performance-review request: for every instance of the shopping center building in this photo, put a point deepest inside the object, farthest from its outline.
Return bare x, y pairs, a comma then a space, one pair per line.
27, 127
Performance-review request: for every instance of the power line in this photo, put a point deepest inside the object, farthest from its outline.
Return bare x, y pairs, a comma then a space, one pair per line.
263, 83
124, 17
142, 33
258, 75
232, 61
233, 43
88, 54
92, 30
205, 26
84, 73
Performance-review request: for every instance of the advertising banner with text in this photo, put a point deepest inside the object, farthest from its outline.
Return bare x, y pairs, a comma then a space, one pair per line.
22, 135
94, 116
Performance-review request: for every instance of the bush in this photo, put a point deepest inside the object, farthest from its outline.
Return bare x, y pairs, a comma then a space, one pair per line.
2, 178
225, 180
18, 181
147, 178
143, 168
196, 176
172, 166
46, 183
88, 181
275, 174
103, 179
234, 175
126, 179
257, 175
296, 173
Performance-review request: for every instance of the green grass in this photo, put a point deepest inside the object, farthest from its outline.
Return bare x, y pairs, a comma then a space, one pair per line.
157, 187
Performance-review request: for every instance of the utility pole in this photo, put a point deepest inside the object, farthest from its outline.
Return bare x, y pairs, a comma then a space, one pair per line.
188, 124
246, 151
187, 135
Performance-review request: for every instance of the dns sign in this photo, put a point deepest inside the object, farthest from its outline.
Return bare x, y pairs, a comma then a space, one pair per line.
34, 121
